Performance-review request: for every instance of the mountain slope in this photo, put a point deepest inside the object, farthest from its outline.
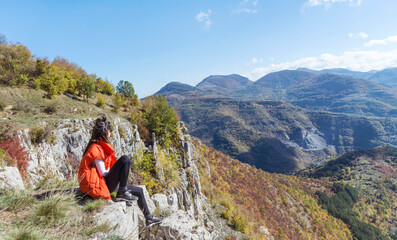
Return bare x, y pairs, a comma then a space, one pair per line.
386, 77
341, 71
373, 172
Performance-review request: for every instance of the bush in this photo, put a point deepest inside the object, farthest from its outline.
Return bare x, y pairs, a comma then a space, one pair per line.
15, 155
101, 101
240, 224
117, 102
2, 105
37, 135
51, 109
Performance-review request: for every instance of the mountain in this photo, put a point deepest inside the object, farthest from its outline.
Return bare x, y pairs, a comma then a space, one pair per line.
291, 119
386, 77
326, 92
342, 71
373, 173
224, 83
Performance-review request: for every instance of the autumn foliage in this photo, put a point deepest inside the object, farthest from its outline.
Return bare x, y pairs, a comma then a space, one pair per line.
285, 205
15, 154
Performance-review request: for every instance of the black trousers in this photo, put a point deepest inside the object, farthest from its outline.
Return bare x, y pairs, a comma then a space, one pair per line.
118, 176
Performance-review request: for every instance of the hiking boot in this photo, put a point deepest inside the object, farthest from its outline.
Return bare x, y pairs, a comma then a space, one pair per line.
124, 195
150, 219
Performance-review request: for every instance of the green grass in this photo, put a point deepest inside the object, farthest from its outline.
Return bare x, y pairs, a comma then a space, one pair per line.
15, 200
26, 234
94, 205
100, 228
30, 107
53, 210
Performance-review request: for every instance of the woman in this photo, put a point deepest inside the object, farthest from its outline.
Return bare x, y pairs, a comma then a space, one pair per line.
101, 173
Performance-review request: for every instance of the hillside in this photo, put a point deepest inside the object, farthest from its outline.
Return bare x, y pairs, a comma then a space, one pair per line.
342, 71
280, 137
373, 172
386, 77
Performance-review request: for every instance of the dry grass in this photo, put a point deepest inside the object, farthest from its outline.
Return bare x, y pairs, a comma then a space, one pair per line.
58, 216
29, 107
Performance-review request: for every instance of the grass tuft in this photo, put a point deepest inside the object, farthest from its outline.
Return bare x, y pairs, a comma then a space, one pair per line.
53, 210
93, 205
15, 200
26, 234
104, 228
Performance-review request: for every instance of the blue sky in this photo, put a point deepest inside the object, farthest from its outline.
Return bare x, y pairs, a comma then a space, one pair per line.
151, 43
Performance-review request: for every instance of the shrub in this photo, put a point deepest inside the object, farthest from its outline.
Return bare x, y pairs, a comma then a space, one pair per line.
16, 155
2, 105
51, 109
101, 101
117, 102
39, 134
240, 224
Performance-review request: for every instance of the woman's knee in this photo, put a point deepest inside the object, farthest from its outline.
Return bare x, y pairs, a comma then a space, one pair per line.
125, 159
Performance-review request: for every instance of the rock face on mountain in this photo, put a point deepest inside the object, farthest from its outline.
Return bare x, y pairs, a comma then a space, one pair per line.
184, 203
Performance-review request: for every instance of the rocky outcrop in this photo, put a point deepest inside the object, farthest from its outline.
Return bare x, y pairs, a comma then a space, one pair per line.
121, 219
61, 157
182, 204
177, 226
10, 178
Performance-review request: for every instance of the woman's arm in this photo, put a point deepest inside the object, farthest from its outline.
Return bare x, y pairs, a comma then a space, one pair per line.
100, 166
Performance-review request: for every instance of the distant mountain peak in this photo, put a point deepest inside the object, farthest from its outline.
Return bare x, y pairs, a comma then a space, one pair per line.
224, 83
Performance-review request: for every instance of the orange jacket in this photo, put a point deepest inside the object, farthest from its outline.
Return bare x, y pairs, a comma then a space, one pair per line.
90, 180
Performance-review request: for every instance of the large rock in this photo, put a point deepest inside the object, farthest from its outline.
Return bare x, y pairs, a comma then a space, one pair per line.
122, 219
179, 225
10, 178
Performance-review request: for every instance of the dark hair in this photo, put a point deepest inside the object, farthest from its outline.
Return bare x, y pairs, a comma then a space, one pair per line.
99, 131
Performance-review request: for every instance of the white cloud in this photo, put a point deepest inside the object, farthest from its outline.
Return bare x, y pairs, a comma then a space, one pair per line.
358, 35
386, 41
255, 61
354, 60
329, 3
247, 6
205, 18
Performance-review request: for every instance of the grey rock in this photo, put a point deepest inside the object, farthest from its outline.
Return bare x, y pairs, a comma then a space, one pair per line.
10, 178
179, 225
160, 201
265, 231
122, 220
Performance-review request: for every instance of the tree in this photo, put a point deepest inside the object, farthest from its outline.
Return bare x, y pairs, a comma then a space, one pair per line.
52, 81
17, 64
160, 118
117, 102
3, 38
86, 86
104, 87
125, 89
